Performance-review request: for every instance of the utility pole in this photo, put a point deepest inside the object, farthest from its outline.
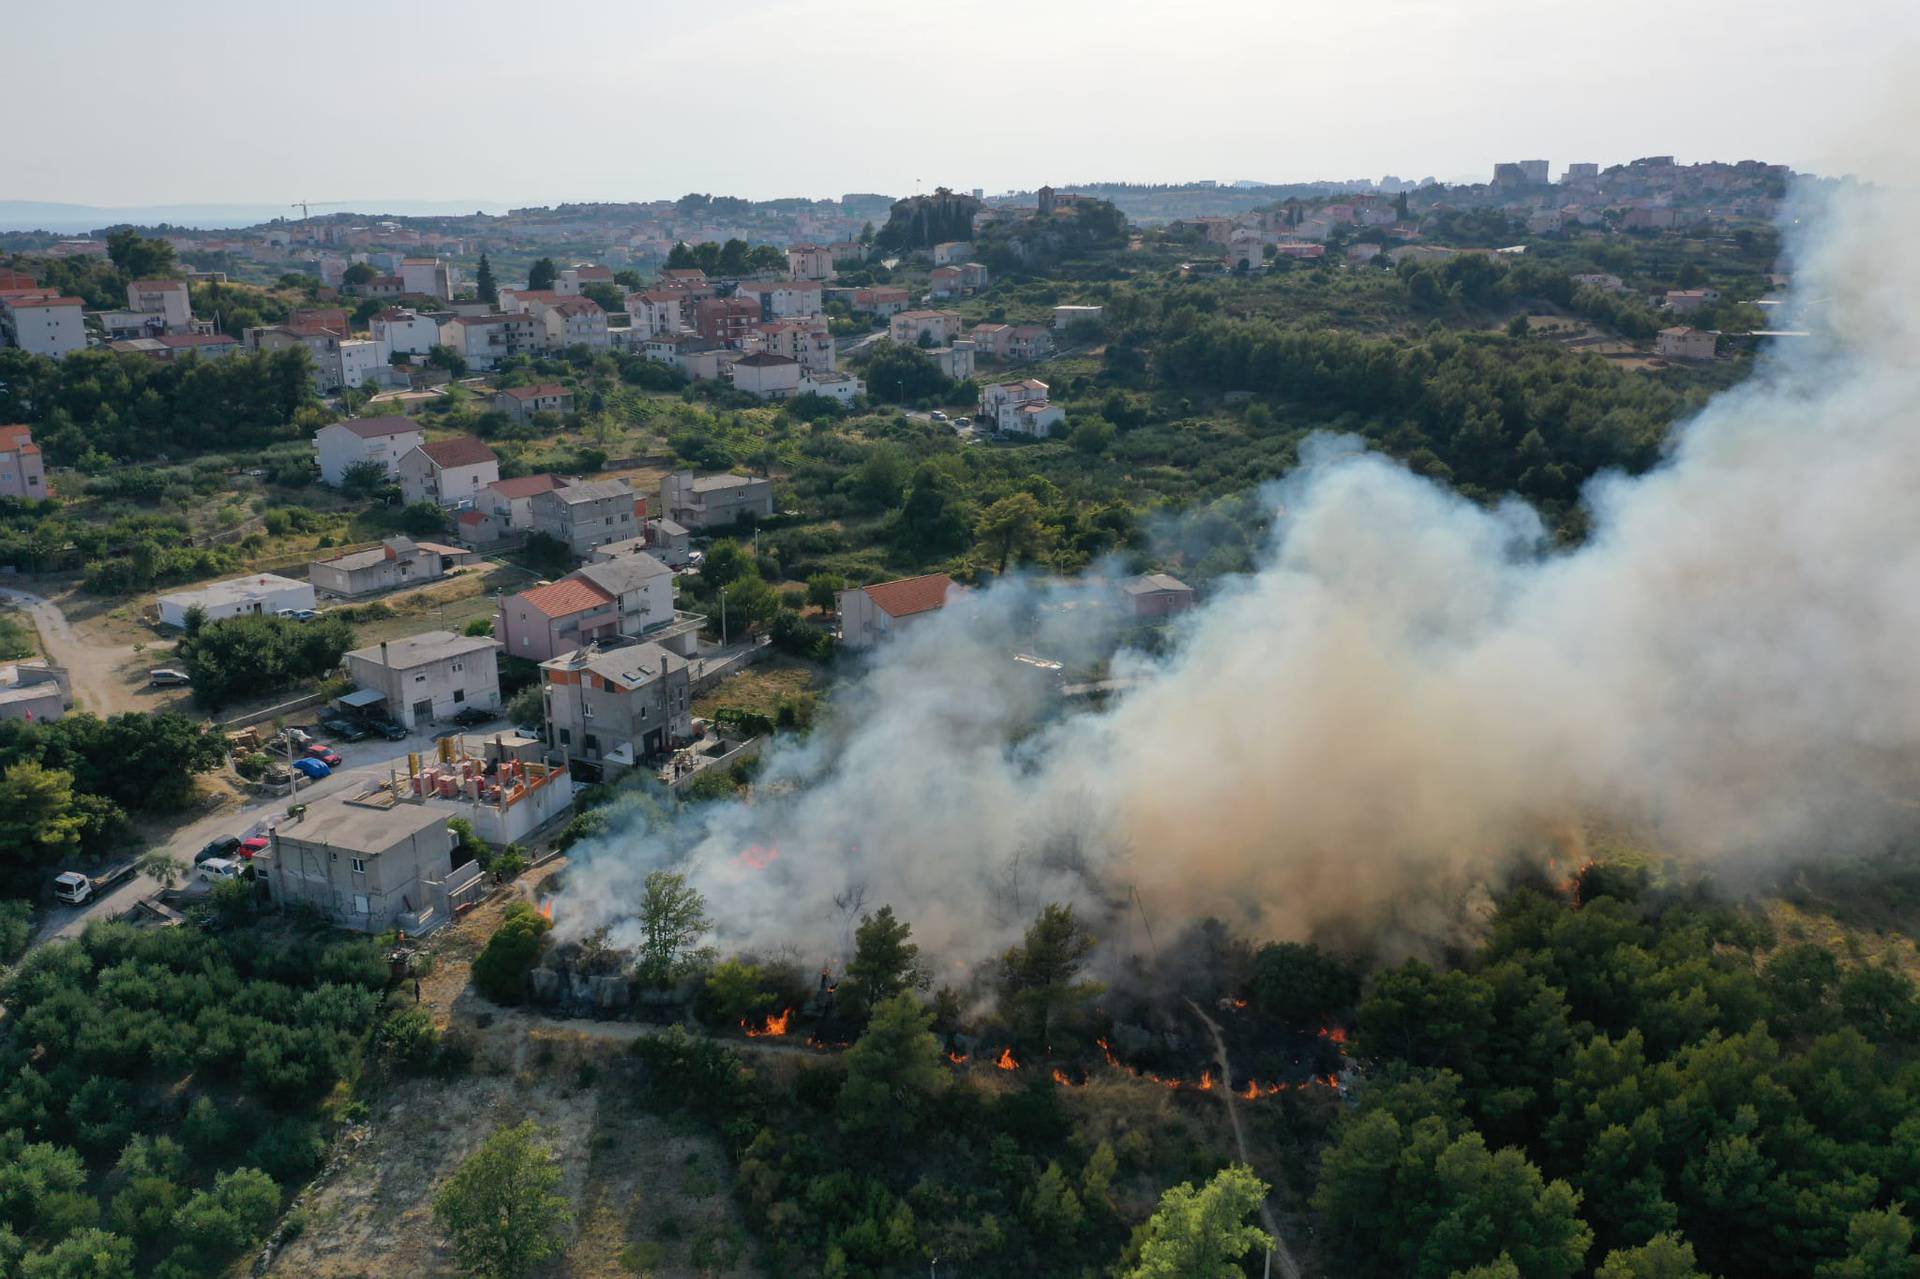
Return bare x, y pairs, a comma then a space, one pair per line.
723, 617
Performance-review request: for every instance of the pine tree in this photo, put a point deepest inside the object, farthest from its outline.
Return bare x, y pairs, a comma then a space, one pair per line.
488, 287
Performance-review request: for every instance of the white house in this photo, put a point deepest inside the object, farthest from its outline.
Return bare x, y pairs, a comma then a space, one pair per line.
430, 676
869, 614
485, 340
43, 323
952, 252
1000, 401
655, 311
399, 331
385, 440
360, 358
842, 388
1065, 317
955, 361
810, 262
450, 472
264, 594
784, 299
1685, 343
167, 299
769, 376
938, 327
429, 276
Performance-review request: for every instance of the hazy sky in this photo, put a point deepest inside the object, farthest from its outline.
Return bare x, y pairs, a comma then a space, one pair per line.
537, 101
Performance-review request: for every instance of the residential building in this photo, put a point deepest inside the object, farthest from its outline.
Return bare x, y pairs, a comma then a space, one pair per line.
399, 331
641, 587
34, 691
937, 327
485, 340
450, 472
1605, 281
841, 388
1151, 595
954, 361
42, 322
1029, 342
429, 277
868, 614
575, 322
808, 341
586, 514
521, 402
1687, 301
1002, 405
396, 562
714, 501
1685, 343
848, 252
995, 340
360, 362
784, 299
208, 346
23, 472
668, 542
263, 594
952, 252
612, 708
655, 311
960, 280
385, 440
883, 300
810, 262
322, 344
427, 677
507, 505
1065, 317
333, 319
726, 320
371, 863
769, 376
572, 281
554, 618
166, 299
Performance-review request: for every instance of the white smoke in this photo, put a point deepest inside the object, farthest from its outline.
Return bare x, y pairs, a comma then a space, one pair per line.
1408, 692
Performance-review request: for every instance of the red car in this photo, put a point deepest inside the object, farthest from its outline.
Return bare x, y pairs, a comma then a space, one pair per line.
249, 847
325, 754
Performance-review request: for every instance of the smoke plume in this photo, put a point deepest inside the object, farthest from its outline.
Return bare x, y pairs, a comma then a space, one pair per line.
1409, 691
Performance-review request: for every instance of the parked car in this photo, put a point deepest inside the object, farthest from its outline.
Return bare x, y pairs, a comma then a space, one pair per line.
75, 887
219, 868
387, 728
342, 727
938, 416
304, 614
167, 677
961, 423
325, 754
251, 848
225, 846
475, 715
298, 736
312, 769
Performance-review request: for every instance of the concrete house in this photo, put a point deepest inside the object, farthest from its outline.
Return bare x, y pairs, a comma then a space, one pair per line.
399, 331
42, 322
23, 473
994, 340
937, 327
612, 708
809, 262
34, 690
1151, 595
628, 596
868, 614
521, 402
369, 863
784, 299
450, 472
485, 340
1000, 401
508, 504
714, 501
1684, 343
883, 300
642, 591
769, 376
841, 388
426, 677
396, 562
430, 277
168, 300
952, 252
264, 594
587, 514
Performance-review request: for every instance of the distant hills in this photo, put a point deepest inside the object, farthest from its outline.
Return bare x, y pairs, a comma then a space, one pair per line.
37, 215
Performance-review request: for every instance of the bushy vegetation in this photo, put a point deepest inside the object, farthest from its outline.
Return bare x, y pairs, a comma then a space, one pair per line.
165, 1090
253, 656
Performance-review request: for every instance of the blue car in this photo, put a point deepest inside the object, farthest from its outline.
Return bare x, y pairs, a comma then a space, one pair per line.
313, 769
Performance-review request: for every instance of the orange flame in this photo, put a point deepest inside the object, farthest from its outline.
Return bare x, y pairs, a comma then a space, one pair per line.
1252, 1093
546, 910
755, 857
776, 1025
958, 1059
1107, 1048
1006, 1061
1338, 1034
1206, 1081
1239, 1003
1063, 1079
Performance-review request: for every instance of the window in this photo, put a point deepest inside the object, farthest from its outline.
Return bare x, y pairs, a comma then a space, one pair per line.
586, 710
459, 666
333, 857
459, 696
420, 678
643, 712
359, 865
566, 737
589, 741
362, 906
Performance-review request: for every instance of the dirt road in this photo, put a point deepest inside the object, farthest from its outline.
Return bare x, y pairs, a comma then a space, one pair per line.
94, 670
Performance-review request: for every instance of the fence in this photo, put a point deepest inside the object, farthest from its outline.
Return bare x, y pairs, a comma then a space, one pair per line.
261, 716
713, 670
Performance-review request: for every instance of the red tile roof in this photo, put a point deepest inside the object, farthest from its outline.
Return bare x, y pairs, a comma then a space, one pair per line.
375, 428
539, 392
12, 437
910, 595
566, 596
462, 450
527, 485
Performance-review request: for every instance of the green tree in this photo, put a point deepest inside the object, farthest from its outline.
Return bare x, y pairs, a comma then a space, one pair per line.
500, 970
234, 1215
673, 916
933, 519
823, 590
736, 991
363, 479
1012, 528
1300, 984
423, 519
1879, 1246
1665, 1256
484, 285
884, 963
1053, 1209
542, 274
499, 1208
137, 255
1203, 1233
87, 1254
892, 1070
39, 822
1038, 979
357, 274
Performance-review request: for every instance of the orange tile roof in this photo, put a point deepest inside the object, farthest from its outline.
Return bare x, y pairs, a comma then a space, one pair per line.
910, 595
566, 596
461, 450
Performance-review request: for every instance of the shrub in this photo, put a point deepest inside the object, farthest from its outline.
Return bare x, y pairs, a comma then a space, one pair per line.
500, 971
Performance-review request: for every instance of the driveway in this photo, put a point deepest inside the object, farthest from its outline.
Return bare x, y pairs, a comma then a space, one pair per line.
93, 670
364, 762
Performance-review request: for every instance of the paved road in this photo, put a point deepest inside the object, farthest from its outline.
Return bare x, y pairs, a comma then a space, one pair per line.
365, 761
92, 669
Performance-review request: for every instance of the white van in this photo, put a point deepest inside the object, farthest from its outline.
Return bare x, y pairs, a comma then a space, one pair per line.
218, 868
